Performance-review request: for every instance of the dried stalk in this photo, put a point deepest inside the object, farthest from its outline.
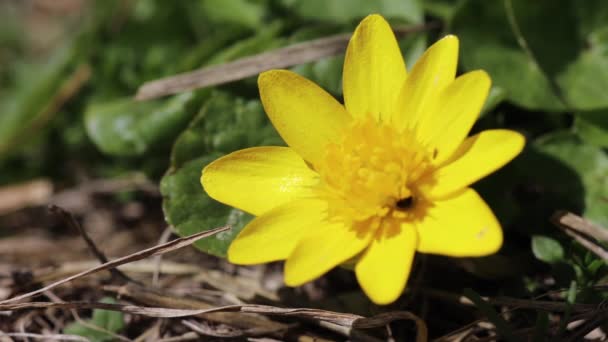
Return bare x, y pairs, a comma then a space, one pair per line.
252, 65
338, 318
583, 231
156, 250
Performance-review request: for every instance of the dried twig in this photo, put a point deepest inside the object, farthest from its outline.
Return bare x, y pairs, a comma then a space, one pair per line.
156, 250
583, 231
70, 220
248, 322
189, 336
223, 331
527, 332
571, 221
509, 304
586, 327
55, 299
162, 298
45, 337
249, 66
342, 319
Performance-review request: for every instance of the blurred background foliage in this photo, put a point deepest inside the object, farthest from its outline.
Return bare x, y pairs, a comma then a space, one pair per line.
67, 110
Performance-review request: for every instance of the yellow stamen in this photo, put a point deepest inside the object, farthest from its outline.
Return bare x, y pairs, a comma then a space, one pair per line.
372, 175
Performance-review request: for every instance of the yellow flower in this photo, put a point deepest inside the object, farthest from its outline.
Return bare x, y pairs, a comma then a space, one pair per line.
373, 180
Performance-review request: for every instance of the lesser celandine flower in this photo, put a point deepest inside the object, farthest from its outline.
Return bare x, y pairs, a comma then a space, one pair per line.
373, 180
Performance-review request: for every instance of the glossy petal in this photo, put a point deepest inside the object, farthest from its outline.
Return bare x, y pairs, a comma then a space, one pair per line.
385, 266
274, 235
328, 245
460, 104
462, 226
258, 179
433, 72
305, 116
374, 70
476, 157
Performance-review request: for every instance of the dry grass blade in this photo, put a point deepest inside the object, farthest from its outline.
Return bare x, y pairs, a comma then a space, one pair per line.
590, 245
583, 231
162, 298
70, 220
385, 318
156, 250
219, 331
586, 327
343, 319
189, 336
224, 331
250, 66
247, 322
45, 337
571, 221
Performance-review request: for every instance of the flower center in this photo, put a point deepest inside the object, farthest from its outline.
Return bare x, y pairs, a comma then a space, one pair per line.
373, 173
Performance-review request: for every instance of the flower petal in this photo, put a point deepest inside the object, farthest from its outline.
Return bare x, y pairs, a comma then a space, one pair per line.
374, 70
327, 246
434, 71
476, 157
258, 179
460, 104
274, 235
462, 226
305, 116
385, 266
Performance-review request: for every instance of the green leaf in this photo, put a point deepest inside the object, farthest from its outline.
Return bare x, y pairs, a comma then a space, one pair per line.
595, 266
266, 39
443, 9
593, 127
125, 127
36, 87
248, 13
556, 172
188, 208
488, 43
590, 163
547, 249
327, 73
563, 65
412, 47
224, 125
586, 74
495, 97
112, 321
153, 41
346, 11
585, 78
